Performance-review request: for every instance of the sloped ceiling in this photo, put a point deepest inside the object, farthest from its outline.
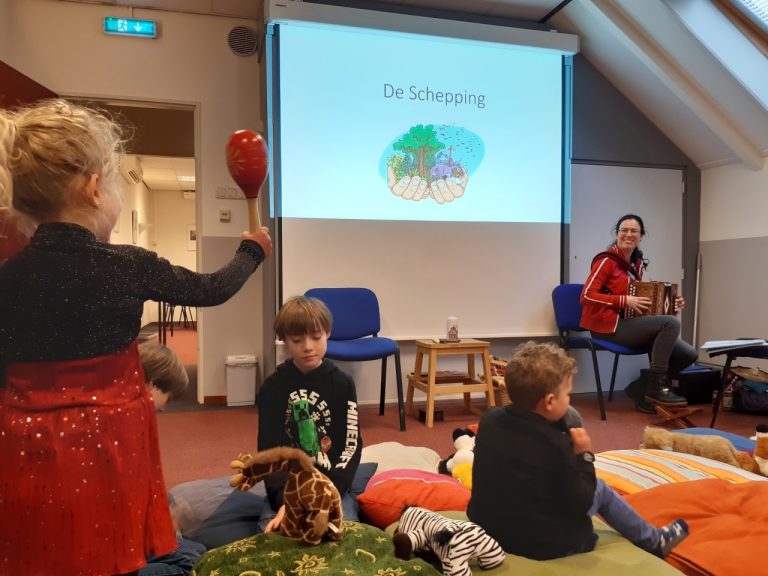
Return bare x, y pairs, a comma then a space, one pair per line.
649, 53
652, 57
643, 47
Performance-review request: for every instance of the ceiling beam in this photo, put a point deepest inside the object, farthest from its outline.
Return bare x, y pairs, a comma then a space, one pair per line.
679, 81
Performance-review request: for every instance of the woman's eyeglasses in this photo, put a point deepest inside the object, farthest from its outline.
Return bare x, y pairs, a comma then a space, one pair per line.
628, 231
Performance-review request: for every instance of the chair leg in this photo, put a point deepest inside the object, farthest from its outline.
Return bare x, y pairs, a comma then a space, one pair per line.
186, 317
169, 317
613, 376
399, 378
382, 394
598, 384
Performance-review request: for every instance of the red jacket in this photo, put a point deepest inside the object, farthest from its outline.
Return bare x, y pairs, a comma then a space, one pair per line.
605, 290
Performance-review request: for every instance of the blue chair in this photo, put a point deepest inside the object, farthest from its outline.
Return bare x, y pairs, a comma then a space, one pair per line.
566, 300
354, 336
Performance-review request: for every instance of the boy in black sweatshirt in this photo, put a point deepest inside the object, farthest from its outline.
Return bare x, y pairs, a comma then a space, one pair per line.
309, 403
534, 487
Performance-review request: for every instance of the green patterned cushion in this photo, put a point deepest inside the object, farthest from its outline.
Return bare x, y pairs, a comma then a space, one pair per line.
364, 550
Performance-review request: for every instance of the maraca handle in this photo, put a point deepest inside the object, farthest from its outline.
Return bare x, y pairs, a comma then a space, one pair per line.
254, 221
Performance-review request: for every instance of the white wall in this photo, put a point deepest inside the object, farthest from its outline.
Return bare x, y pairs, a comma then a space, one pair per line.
61, 45
135, 197
163, 230
734, 244
734, 203
168, 234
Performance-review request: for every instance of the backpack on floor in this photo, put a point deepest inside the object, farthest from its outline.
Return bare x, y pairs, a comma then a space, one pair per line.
750, 390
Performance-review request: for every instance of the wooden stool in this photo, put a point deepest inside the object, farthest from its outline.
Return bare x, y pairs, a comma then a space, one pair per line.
449, 382
498, 368
674, 416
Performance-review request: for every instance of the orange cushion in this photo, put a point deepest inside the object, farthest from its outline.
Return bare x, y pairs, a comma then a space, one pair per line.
389, 492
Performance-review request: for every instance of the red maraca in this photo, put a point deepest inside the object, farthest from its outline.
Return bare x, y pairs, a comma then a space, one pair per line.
248, 163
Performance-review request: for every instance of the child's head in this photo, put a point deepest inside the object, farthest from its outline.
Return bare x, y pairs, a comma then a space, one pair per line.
164, 373
539, 377
304, 324
57, 158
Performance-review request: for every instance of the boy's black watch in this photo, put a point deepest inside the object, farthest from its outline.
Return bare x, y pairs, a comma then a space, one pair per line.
587, 457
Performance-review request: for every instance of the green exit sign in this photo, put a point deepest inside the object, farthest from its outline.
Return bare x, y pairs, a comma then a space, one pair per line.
130, 27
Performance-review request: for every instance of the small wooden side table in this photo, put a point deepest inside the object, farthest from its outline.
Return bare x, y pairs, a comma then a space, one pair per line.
451, 382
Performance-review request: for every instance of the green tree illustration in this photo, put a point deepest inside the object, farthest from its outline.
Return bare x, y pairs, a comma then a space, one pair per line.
421, 141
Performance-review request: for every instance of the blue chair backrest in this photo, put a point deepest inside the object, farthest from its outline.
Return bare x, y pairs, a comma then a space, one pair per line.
566, 299
355, 311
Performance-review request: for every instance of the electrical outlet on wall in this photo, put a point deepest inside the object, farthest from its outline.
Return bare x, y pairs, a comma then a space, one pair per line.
225, 215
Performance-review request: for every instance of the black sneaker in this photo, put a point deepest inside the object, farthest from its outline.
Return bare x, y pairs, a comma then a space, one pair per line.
670, 536
636, 391
632, 388
642, 405
665, 396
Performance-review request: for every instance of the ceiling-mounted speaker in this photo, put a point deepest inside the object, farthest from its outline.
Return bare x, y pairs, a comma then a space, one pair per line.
243, 41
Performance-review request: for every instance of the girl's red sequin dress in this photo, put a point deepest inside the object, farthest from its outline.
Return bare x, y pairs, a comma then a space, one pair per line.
83, 433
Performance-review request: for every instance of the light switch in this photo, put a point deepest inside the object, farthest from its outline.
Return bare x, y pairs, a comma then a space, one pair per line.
225, 215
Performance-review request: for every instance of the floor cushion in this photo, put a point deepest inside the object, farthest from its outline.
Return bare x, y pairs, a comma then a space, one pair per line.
391, 491
236, 517
393, 455
728, 524
193, 502
364, 551
213, 513
630, 471
613, 556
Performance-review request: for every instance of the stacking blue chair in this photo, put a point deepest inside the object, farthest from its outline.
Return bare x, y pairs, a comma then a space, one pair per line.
566, 300
354, 335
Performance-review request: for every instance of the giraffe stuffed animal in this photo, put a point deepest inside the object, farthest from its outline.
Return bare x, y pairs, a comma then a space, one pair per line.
312, 503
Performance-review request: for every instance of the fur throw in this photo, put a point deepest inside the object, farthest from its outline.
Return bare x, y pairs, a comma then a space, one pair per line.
712, 447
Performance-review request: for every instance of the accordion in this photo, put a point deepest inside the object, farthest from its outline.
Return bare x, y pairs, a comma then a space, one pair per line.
662, 295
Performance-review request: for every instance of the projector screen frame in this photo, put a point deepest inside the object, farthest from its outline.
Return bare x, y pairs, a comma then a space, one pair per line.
564, 44
282, 10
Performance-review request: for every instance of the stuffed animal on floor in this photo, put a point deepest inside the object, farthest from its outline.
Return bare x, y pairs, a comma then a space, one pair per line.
312, 503
454, 542
761, 448
459, 464
712, 447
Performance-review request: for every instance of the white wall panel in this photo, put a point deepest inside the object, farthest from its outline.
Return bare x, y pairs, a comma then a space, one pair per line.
734, 203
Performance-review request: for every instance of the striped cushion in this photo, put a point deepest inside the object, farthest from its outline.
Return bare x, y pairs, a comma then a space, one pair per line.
630, 471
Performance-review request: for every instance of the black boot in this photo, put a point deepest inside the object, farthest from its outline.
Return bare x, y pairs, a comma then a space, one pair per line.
636, 391
660, 391
637, 385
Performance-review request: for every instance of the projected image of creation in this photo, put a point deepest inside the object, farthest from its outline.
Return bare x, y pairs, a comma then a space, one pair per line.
431, 161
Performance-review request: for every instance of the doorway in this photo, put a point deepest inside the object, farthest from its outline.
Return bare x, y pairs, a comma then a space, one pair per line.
160, 210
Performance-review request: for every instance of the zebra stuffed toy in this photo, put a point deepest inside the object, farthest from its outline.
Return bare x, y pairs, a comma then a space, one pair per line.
454, 542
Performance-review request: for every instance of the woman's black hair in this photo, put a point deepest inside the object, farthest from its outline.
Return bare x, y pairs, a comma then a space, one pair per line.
630, 217
637, 254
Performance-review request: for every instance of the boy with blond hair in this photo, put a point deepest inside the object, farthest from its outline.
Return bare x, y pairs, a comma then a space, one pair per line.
308, 403
534, 487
